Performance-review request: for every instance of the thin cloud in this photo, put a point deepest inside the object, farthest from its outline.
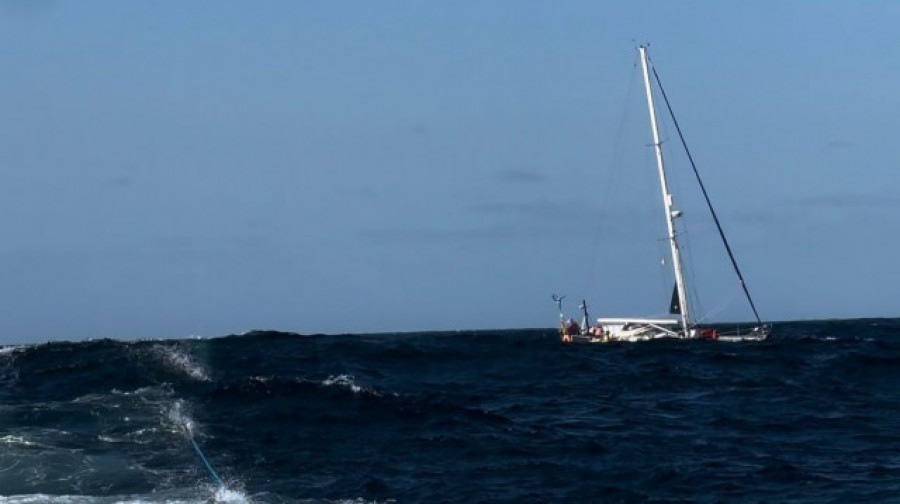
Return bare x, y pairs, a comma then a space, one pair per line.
766, 219
537, 220
522, 177
499, 222
428, 237
28, 8
556, 211
121, 181
531, 209
850, 200
838, 144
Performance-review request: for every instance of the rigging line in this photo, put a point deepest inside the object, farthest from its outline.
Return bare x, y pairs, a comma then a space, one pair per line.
611, 179
698, 309
725, 303
706, 197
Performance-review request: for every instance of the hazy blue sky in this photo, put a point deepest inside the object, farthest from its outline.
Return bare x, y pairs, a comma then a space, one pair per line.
178, 168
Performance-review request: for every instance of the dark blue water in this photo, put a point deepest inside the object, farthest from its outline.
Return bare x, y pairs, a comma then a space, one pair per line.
507, 416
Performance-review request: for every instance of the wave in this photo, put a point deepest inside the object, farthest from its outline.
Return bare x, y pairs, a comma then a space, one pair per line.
451, 417
211, 496
217, 496
9, 350
348, 382
178, 360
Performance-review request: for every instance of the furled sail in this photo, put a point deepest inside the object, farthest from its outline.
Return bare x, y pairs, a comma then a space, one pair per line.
675, 305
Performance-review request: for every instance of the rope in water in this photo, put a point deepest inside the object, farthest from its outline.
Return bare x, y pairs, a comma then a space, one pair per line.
203, 458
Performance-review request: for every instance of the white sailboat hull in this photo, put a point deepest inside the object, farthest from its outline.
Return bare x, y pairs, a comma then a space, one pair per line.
637, 330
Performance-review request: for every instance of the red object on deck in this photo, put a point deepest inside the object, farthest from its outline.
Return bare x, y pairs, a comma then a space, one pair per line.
710, 334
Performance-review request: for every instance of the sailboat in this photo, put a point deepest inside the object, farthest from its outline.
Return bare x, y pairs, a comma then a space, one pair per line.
682, 325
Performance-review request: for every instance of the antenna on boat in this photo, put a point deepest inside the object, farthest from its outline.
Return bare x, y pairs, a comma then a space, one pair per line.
587, 318
558, 300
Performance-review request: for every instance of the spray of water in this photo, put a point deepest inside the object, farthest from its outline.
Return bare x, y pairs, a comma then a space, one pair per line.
226, 495
186, 426
178, 360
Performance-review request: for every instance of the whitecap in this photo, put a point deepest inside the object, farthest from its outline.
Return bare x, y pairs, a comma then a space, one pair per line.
180, 418
348, 382
226, 495
344, 380
84, 499
180, 361
9, 350
9, 439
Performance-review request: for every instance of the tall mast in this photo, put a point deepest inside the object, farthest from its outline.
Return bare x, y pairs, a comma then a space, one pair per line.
668, 202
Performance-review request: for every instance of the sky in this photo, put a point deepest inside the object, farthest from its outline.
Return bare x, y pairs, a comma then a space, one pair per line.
174, 169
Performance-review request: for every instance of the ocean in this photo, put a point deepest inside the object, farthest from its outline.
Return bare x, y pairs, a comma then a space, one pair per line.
809, 416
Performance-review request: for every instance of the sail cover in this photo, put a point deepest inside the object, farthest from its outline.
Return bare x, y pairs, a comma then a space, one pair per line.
675, 304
